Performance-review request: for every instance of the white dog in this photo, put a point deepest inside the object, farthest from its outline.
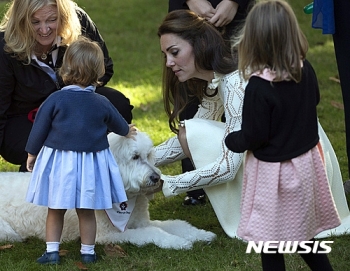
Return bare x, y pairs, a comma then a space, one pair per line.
19, 219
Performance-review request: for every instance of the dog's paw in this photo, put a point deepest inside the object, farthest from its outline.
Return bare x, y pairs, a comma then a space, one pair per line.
184, 230
7, 233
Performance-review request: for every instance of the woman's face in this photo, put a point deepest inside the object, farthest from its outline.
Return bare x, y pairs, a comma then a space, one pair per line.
179, 56
45, 24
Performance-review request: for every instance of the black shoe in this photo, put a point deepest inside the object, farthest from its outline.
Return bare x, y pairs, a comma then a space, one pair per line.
200, 200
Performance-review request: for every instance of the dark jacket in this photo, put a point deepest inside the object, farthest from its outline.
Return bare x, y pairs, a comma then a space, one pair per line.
24, 87
81, 116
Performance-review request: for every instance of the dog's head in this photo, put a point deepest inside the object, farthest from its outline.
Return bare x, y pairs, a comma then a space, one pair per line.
135, 159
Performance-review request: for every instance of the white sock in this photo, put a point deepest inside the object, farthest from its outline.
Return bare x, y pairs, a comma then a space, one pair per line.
52, 246
87, 249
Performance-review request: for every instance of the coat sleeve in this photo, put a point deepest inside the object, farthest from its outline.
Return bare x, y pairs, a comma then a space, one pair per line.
243, 4
168, 152
254, 132
7, 85
225, 167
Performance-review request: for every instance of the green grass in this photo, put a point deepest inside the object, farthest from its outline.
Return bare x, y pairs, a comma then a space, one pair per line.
129, 28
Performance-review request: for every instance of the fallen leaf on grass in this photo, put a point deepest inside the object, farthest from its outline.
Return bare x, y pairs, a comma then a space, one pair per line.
6, 247
334, 79
144, 107
81, 266
337, 105
115, 251
63, 252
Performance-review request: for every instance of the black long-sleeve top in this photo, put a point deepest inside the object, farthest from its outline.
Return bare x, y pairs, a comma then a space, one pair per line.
279, 119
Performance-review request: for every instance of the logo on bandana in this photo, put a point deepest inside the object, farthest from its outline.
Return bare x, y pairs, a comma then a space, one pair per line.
120, 213
123, 206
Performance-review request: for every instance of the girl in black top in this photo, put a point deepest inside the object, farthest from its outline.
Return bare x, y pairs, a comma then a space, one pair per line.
285, 194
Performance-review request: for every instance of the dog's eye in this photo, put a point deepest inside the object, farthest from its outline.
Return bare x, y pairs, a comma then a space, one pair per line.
136, 157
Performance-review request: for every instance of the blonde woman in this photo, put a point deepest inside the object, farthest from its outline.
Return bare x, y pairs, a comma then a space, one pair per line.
34, 35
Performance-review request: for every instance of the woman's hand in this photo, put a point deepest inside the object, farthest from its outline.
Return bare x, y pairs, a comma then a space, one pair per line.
224, 13
158, 189
202, 8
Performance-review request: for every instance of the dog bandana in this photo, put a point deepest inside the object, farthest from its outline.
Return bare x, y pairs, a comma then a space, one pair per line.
120, 213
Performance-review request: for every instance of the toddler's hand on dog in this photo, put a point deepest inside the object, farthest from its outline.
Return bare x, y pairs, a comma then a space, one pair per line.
132, 131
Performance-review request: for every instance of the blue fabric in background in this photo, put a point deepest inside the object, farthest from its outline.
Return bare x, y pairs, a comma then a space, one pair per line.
323, 16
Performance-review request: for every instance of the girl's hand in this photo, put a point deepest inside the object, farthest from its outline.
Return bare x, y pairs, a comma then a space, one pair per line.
132, 132
30, 162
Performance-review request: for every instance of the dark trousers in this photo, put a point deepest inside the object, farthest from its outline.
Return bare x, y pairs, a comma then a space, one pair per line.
341, 40
17, 128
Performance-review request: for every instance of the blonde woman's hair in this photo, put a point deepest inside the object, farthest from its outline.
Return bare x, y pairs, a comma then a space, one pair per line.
83, 63
20, 33
271, 38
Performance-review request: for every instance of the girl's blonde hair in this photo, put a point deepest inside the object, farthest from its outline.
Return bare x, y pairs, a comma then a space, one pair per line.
20, 33
271, 38
83, 63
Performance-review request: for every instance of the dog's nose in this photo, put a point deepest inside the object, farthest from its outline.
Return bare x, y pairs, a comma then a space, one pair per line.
155, 178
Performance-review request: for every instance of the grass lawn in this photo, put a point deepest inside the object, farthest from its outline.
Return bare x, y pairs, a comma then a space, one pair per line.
129, 29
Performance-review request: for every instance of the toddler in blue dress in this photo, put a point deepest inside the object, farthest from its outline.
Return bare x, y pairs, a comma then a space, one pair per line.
68, 151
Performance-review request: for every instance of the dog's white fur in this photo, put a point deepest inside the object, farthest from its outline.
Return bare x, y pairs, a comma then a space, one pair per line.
19, 219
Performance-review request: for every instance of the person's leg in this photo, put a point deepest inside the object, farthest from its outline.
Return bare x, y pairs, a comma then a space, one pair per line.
16, 133
341, 40
87, 225
317, 261
54, 226
87, 228
194, 197
119, 100
272, 262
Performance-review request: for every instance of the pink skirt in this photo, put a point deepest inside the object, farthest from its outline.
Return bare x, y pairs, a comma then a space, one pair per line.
286, 201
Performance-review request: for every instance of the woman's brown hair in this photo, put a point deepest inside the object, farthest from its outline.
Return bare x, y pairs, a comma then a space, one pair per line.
210, 53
